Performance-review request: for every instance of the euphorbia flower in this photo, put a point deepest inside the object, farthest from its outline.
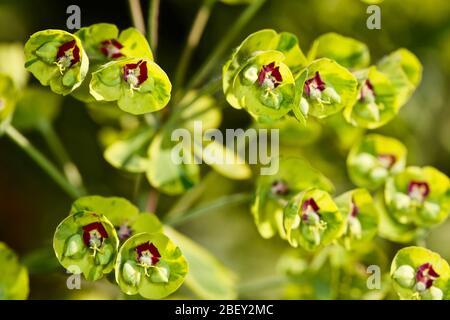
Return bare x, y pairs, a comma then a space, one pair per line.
57, 58
387, 160
418, 190
147, 254
314, 86
367, 92
310, 212
111, 49
93, 236
135, 74
150, 265
280, 187
269, 76
425, 276
68, 55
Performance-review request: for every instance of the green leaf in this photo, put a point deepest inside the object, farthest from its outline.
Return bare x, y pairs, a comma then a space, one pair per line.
151, 280
310, 232
294, 175
153, 94
7, 101
340, 88
373, 159
35, 107
42, 61
360, 214
207, 277
164, 173
426, 210
74, 254
348, 52
130, 153
404, 70
14, 282
404, 268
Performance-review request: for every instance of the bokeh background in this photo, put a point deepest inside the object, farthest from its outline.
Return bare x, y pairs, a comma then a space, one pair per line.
31, 205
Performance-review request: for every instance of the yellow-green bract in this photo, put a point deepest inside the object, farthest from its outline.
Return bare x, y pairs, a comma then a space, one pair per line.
13, 276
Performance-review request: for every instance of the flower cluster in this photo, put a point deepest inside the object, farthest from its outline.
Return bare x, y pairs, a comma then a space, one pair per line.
99, 64
105, 234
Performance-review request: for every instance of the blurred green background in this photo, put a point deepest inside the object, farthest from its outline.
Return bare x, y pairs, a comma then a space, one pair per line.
31, 205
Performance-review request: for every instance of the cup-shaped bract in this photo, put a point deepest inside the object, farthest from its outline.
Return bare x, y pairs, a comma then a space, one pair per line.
86, 242
329, 88
272, 191
7, 100
103, 43
150, 265
404, 69
377, 100
348, 52
360, 214
138, 85
312, 220
373, 159
13, 276
420, 274
418, 195
57, 58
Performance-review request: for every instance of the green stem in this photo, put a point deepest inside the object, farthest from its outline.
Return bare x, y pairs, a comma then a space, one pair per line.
210, 207
136, 15
224, 44
60, 153
43, 162
193, 39
153, 19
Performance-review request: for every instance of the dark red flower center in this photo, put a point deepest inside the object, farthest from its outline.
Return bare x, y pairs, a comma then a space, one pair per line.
68, 54
147, 254
111, 49
418, 190
387, 160
310, 210
280, 188
94, 234
124, 231
425, 276
313, 84
135, 73
367, 92
269, 76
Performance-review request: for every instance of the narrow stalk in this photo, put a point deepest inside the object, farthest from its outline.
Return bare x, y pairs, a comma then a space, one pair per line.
193, 39
136, 15
152, 24
210, 207
43, 162
224, 43
60, 153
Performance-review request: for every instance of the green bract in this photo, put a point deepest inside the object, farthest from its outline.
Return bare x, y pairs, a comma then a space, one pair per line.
103, 43
405, 72
13, 276
57, 58
150, 265
373, 159
7, 100
137, 84
86, 242
418, 273
328, 89
360, 214
312, 220
12, 60
418, 195
348, 52
259, 74
294, 175
376, 104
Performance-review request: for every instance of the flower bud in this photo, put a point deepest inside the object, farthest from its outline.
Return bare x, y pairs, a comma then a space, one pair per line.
405, 276
131, 273
74, 245
433, 293
160, 274
330, 93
